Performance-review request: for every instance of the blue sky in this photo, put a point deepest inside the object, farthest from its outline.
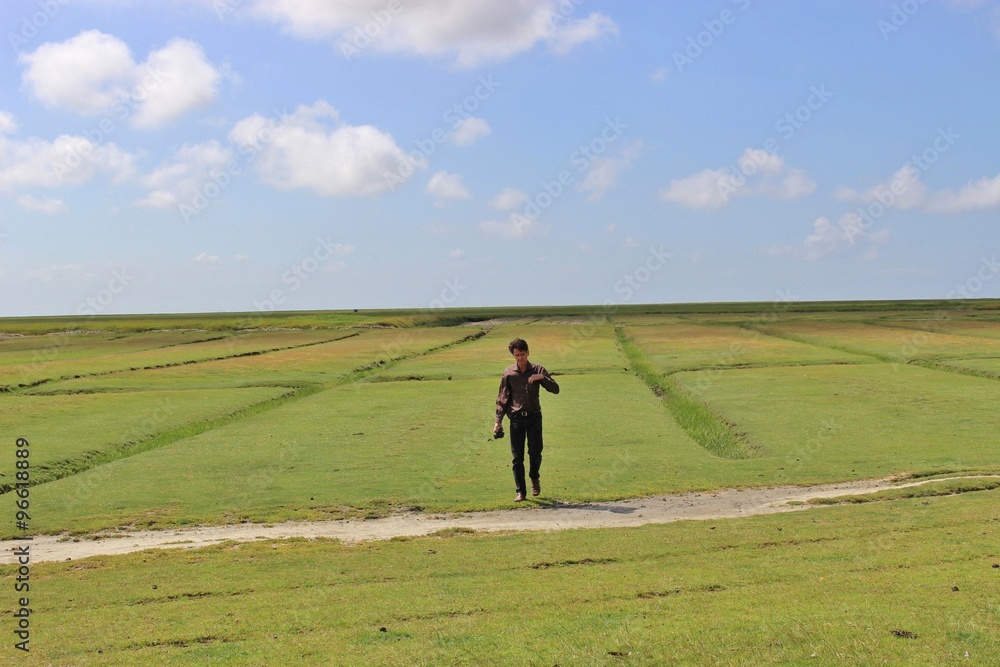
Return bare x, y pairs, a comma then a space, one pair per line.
240, 155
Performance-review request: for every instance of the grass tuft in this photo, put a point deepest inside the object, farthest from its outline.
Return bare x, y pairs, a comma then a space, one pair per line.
717, 435
952, 487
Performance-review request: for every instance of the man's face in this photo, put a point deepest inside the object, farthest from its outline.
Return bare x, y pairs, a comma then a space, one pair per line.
521, 357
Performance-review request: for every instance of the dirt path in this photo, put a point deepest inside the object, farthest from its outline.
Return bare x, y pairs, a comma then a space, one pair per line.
721, 504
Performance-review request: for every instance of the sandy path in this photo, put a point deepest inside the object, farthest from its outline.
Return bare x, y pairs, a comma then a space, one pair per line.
720, 504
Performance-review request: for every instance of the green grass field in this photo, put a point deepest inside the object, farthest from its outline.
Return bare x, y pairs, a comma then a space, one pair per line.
102, 422
888, 343
693, 347
172, 421
322, 363
822, 587
823, 422
103, 356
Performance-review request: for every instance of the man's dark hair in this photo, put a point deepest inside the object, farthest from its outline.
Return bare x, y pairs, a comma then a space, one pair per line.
517, 344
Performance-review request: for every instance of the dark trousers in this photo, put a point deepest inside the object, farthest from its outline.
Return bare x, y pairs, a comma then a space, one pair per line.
522, 426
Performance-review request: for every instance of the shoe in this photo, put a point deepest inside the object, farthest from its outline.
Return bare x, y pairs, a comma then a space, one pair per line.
536, 487
519, 497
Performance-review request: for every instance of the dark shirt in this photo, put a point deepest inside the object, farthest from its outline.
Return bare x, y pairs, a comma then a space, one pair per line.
517, 395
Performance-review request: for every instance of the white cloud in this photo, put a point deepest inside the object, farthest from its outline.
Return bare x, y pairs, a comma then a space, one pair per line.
181, 79
337, 250
159, 199
94, 73
603, 172
456, 253
86, 73
825, 239
828, 239
205, 258
471, 32
793, 184
58, 273
469, 130
577, 32
844, 193
179, 181
510, 228
704, 190
757, 173
659, 75
509, 199
982, 194
904, 190
43, 205
302, 150
447, 186
7, 123
630, 243
66, 160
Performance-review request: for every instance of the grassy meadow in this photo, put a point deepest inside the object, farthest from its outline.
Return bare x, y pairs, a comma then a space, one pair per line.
822, 587
171, 421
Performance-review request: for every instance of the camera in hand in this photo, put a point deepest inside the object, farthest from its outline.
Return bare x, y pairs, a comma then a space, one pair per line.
498, 433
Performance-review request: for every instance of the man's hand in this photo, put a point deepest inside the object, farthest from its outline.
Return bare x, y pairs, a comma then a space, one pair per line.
537, 377
497, 431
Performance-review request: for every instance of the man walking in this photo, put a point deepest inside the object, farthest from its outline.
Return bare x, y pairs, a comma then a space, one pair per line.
518, 399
